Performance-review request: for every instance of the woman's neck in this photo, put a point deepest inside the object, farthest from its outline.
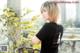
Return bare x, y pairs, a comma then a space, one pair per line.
48, 21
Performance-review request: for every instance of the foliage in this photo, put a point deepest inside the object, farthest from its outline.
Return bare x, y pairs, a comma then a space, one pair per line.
10, 20
14, 27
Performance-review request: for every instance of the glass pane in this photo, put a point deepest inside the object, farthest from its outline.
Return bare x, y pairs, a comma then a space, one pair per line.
70, 15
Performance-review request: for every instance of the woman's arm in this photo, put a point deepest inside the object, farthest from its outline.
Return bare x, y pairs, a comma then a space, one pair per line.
35, 40
41, 35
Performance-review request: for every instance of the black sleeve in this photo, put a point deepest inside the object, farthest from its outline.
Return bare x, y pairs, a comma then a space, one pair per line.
44, 32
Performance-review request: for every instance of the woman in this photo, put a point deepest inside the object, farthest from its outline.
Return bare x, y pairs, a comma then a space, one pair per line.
49, 33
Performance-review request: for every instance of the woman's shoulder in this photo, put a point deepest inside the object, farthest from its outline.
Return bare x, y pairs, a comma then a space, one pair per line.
53, 25
60, 26
50, 25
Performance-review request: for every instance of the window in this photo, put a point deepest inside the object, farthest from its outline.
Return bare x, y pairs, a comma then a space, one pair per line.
70, 16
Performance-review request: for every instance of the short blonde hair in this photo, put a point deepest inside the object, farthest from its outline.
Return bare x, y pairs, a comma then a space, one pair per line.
52, 9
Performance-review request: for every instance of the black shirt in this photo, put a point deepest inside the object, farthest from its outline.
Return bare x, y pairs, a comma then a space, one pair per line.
48, 35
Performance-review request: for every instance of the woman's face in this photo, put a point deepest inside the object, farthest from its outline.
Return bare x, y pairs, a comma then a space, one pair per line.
45, 14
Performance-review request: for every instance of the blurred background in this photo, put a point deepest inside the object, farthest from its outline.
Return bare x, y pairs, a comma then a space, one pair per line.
20, 20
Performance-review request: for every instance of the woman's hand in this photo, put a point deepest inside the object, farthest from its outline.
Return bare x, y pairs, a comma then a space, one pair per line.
35, 40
